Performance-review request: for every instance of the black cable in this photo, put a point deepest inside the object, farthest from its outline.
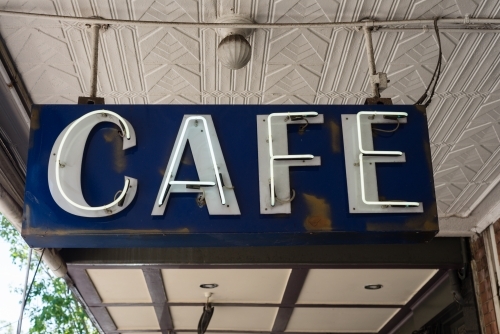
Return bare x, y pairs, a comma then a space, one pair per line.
206, 316
436, 74
33, 279
436, 29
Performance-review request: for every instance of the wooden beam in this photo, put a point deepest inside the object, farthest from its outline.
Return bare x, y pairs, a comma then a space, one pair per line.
290, 296
154, 281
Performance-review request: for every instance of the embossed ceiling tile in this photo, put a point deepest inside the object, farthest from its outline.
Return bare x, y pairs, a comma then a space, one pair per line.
172, 46
174, 99
485, 72
117, 9
245, 8
469, 159
444, 197
42, 45
467, 7
39, 6
451, 174
225, 77
166, 10
352, 59
338, 55
436, 115
490, 110
461, 63
439, 155
416, 48
78, 41
488, 9
239, 79
448, 193
172, 79
434, 8
458, 116
210, 63
47, 80
494, 172
257, 67
400, 98
55, 99
489, 171
466, 198
295, 11
467, 78
113, 63
287, 99
291, 79
299, 46
484, 138
131, 58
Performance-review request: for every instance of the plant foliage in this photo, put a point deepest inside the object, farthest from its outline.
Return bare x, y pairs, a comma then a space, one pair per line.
50, 307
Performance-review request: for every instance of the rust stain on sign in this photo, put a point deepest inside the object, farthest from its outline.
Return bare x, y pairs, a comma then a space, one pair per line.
187, 159
319, 218
119, 160
39, 231
335, 133
427, 221
35, 118
422, 222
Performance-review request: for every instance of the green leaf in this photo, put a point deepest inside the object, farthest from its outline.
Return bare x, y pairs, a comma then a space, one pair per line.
51, 308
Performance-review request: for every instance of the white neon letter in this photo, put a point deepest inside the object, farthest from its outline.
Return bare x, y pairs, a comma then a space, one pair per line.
378, 153
65, 166
199, 130
359, 153
274, 160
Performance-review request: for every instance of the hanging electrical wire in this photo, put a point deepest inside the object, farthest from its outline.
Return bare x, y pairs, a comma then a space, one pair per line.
392, 130
435, 75
206, 316
28, 292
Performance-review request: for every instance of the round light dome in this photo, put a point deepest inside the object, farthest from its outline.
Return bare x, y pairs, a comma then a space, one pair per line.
234, 52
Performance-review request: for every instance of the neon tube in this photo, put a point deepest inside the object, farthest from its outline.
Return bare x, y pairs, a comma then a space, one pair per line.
283, 157
58, 162
360, 142
363, 196
176, 154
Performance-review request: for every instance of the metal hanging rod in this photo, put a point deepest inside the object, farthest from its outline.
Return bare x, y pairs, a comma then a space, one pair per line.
469, 22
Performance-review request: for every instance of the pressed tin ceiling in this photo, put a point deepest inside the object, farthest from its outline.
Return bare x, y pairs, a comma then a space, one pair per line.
149, 65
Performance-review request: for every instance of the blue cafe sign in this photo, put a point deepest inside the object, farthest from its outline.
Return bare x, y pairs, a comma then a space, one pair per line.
202, 176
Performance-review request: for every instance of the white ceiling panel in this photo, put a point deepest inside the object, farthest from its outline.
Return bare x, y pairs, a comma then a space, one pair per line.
347, 286
226, 318
134, 317
235, 285
120, 285
356, 320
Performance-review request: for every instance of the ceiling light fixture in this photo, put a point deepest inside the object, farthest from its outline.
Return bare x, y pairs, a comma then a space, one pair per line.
373, 286
209, 286
234, 51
